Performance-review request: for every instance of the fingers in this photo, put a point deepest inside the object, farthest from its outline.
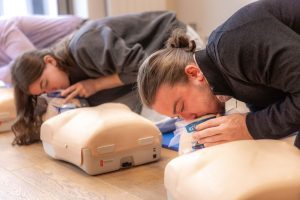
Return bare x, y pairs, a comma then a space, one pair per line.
69, 93
71, 96
211, 135
208, 132
222, 129
69, 90
73, 91
209, 123
211, 139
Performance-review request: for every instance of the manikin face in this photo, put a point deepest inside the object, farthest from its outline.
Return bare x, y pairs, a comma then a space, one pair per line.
55, 106
188, 100
51, 79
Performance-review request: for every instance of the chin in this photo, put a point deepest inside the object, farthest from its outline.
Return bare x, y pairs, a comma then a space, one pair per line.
221, 108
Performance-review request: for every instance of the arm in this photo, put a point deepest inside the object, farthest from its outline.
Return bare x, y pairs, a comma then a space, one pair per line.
106, 59
281, 118
277, 69
257, 64
274, 65
89, 87
107, 82
281, 66
100, 52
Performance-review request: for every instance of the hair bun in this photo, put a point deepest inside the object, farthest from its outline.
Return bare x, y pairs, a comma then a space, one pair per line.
180, 40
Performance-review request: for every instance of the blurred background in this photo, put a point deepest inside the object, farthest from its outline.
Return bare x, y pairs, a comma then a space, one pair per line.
203, 15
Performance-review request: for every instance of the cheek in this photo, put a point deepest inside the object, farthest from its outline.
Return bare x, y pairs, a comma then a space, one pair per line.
161, 110
201, 104
34, 89
208, 98
195, 107
57, 82
61, 79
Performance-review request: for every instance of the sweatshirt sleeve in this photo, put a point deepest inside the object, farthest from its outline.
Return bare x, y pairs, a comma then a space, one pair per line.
281, 118
258, 53
281, 71
287, 12
101, 52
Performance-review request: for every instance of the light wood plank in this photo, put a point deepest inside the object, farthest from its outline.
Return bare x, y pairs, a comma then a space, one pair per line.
12, 187
32, 174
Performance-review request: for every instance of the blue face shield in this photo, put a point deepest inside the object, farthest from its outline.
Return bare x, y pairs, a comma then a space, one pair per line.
60, 107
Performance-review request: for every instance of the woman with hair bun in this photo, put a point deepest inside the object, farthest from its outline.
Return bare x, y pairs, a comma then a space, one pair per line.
253, 57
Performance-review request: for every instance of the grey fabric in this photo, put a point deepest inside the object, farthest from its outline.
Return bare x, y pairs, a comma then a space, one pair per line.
132, 100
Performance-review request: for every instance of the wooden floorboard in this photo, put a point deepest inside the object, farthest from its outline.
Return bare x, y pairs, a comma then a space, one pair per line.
27, 172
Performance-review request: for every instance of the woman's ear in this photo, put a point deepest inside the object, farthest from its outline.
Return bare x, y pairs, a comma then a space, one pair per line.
49, 59
194, 72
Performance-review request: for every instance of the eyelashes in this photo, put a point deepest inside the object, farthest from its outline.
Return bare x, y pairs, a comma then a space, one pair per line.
181, 108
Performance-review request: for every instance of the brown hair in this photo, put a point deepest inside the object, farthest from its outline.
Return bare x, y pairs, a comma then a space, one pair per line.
26, 69
165, 66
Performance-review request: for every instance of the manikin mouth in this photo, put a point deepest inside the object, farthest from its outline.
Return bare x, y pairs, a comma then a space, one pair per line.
55, 94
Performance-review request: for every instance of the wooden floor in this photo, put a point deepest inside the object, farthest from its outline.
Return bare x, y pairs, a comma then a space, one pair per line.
28, 173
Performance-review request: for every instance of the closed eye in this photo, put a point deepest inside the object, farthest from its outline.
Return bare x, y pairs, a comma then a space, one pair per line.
182, 107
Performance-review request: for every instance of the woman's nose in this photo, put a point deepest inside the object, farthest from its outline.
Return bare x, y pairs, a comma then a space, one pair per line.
48, 90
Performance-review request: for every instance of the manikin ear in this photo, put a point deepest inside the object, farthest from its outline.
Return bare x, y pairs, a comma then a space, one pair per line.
49, 59
193, 72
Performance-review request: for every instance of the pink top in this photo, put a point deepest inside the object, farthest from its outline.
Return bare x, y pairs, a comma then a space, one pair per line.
20, 34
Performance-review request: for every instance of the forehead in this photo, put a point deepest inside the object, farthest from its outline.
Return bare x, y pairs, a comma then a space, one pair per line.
166, 97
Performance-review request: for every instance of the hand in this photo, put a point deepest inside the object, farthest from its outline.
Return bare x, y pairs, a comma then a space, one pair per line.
84, 89
222, 129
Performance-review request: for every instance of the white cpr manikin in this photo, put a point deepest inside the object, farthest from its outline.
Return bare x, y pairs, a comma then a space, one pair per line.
241, 170
101, 139
7, 109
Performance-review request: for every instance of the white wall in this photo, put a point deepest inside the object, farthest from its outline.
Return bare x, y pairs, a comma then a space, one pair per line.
118, 7
207, 14
92, 9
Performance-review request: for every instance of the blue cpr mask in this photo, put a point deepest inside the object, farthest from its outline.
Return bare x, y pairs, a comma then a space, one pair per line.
67, 106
